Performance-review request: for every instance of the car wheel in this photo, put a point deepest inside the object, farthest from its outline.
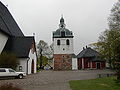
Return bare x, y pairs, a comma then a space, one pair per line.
20, 76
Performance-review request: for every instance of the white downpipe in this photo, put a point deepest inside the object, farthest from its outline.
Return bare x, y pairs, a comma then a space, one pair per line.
90, 65
82, 63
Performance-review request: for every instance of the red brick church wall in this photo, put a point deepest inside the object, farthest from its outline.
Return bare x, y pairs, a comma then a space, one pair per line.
62, 62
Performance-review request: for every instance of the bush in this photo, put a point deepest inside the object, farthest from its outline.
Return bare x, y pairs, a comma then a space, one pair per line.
9, 87
8, 60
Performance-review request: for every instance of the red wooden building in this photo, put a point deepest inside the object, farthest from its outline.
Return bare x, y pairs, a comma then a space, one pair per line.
90, 59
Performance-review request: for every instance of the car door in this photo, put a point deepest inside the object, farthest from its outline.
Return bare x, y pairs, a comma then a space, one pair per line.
3, 73
12, 73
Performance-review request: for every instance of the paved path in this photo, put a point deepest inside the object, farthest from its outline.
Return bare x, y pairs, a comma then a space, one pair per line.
53, 80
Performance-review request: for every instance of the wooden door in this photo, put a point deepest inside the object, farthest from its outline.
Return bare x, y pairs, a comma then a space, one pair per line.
98, 65
32, 67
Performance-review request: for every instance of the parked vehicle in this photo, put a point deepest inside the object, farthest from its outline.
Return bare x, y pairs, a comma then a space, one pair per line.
8, 72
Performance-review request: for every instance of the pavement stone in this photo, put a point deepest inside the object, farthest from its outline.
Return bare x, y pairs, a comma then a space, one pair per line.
53, 80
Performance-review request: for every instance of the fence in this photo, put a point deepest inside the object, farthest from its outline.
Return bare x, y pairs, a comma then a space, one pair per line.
106, 75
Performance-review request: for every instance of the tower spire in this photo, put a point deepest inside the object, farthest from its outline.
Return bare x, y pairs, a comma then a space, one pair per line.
62, 15
62, 24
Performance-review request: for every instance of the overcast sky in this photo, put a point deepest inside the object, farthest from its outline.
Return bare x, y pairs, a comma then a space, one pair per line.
86, 18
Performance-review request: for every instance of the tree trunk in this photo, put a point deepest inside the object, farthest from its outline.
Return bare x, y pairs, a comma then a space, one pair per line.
41, 59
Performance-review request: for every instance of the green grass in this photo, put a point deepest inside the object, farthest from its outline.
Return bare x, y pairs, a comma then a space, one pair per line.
107, 83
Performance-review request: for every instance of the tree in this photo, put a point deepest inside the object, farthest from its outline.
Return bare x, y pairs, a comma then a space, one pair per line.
44, 60
8, 60
114, 25
43, 50
106, 45
109, 41
114, 19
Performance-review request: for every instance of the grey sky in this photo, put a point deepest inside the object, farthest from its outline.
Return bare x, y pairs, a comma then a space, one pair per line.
86, 18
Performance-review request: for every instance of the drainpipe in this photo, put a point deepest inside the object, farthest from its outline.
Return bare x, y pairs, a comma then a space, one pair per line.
27, 65
82, 63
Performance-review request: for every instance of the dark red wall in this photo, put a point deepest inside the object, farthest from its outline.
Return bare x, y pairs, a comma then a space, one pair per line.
86, 60
103, 65
93, 64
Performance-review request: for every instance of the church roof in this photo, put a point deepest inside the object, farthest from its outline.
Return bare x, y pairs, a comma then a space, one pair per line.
88, 52
62, 32
58, 33
20, 46
17, 43
7, 22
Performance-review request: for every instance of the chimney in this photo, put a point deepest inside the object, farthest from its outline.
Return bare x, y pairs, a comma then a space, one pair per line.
83, 48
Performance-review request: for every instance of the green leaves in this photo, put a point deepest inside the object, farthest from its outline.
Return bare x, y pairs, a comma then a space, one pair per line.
114, 19
109, 41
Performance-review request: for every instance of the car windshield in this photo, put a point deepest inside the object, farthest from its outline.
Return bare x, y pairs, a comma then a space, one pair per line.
11, 70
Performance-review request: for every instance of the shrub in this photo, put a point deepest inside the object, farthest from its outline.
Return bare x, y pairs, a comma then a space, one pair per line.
9, 86
8, 60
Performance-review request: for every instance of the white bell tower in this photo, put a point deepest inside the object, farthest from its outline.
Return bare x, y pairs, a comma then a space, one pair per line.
63, 46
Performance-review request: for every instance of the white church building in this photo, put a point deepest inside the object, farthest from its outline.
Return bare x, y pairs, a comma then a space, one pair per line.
64, 57
12, 40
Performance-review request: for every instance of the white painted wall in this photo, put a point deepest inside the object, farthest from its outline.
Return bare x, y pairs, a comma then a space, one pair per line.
3, 40
26, 63
58, 49
23, 63
74, 64
32, 56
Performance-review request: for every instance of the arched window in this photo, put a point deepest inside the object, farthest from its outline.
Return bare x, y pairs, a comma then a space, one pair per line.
67, 42
58, 42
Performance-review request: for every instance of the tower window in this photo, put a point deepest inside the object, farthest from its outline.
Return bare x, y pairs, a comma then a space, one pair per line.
63, 33
58, 42
67, 42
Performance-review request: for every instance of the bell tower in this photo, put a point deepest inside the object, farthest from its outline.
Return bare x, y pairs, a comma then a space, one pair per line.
63, 47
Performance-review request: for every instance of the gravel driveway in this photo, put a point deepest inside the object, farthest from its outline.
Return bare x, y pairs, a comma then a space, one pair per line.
53, 80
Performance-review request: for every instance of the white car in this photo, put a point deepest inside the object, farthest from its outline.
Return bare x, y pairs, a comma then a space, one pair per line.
8, 72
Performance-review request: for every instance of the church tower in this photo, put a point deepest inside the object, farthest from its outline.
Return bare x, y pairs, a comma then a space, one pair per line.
63, 47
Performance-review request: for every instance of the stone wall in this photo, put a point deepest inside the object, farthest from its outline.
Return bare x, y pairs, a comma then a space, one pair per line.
62, 62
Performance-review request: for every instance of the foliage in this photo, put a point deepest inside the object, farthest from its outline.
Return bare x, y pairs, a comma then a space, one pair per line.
44, 52
44, 60
9, 87
108, 45
114, 24
42, 46
8, 60
114, 19
109, 41
44, 49
107, 83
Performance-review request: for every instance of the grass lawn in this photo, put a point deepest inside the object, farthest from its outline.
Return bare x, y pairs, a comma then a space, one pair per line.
107, 83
